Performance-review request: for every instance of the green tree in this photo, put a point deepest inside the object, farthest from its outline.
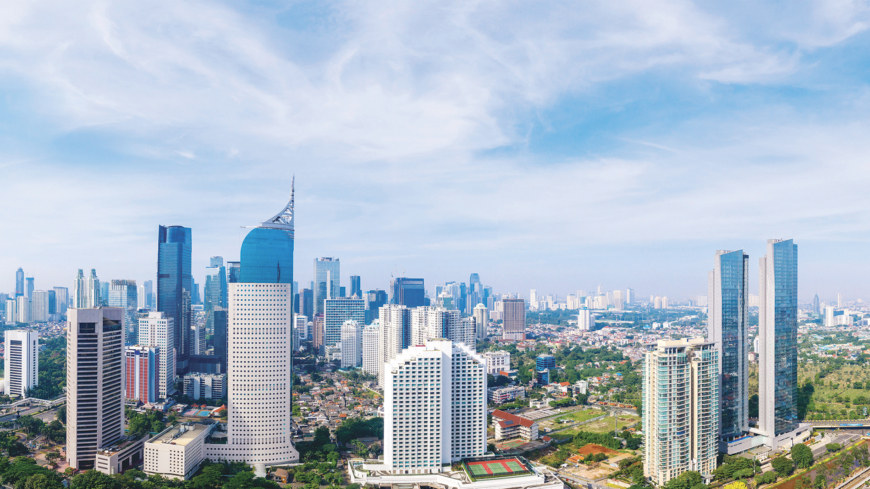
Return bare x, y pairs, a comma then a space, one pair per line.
783, 466
93, 480
833, 447
60, 415
686, 480
802, 456
43, 481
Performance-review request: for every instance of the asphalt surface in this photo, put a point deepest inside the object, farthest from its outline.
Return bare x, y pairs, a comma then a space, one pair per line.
842, 439
33, 410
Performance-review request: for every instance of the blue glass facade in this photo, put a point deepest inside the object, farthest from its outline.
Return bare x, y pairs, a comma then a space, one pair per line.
732, 339
543, 364
327, 278
267, 257
174, 279
785, 345
337, 312
408, 292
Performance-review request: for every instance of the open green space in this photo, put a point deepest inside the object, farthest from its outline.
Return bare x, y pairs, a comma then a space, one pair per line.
582, 415
606, 425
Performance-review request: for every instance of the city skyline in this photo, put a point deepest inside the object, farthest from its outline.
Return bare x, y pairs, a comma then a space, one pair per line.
572, 176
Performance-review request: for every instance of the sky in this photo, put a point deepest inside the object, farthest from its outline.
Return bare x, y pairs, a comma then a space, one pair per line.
548, 145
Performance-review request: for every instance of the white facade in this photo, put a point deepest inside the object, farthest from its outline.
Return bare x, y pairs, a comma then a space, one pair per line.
351, 344
158, 331
23, 309
259, 367
497, 361
177, 452
21, 362
829, 316
664, 302
618, 301
209, 386
300, 330
197, 338
370, 347
94, 383
11, 311
394, 335
481, 318
39, 307
434, 407
584, 319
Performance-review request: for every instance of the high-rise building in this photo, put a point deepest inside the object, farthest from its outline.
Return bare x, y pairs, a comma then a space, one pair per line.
514, 319
19, 282
300, 331
20, 362
125, 294
629, 296
664, 302
395, 335
440, 418
306, 303
374, 300
317, 334
543, 364
142, 365
205, 386
327, 280
839, 299
727, 329
219, 336
680, 409
94, 383
829, 316
61, 299
584, 319
28, 288
497, 361
23, 309
234, 271
260, 343
816, 306
11, 312
149, 295
370, 347
355, 290
39, 306
86, 292
481, 318
174, 282
104, 293
336, 312
351, 344
215, 290
618, 300
533, 299
408, 292
158, 330
777, 328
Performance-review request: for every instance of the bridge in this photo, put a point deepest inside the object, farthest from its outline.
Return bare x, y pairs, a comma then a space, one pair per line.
837, 424
29, 401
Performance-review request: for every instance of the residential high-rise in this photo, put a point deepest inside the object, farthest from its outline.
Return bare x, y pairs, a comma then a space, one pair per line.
19, 282
94, 383
351, 344
61, 299
370, 336
300, 331
533, 299
142, 365
816, 306
158, 330
829, 316
260, 343
327, 280
23, 309
618, 301
11, 311
355, 290
777, 329
514, 319
174, 281
439, 417
481, 318
125, 294
336, 312
39, 306
94, 290
629, 296
395, 335
680, 409
584, 319
374, 300
727, 329
408, 292
318, 334
664, 302
20, 362
86, 291
839, 299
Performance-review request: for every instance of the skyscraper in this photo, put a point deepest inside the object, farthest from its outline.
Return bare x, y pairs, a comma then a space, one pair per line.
125, 294
39, 306
174, 279
584, 319
395, 335
727, 315
61, 298
142, 365
374, 300
149, 294
28, 288
514, 319
370, 347
408, 292
215, 290
158, 330
260, 343
11, 311
817, 311
680, 404
21, 362
481, 318
629, 296
23, 309
306, 303
777, 329
86, 291
337, 311
351, 344
19, 282
327, 279
94, 383
355, 290
219, 332
440, 418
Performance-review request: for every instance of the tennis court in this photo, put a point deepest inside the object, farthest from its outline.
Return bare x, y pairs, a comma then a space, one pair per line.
203, 414
496, 467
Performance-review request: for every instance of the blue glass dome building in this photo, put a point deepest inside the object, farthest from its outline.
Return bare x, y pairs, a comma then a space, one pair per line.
267, 252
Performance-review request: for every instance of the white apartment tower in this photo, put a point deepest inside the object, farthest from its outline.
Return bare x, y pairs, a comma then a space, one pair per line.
94, 383
370, 336
158, 331
394, 335
434, 407
497, 361
21, 362
680, 409
584, 319
481, 319
351, 344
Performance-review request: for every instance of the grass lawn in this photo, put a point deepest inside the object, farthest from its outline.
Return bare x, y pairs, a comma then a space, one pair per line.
606, 425
582, 415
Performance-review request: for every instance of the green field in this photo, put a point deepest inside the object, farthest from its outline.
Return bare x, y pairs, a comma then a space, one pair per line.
582, 415
606, 425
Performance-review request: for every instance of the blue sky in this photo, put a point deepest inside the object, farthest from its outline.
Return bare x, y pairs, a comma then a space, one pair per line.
547, 145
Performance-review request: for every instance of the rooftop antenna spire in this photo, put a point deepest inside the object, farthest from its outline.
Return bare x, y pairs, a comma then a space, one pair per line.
284, 219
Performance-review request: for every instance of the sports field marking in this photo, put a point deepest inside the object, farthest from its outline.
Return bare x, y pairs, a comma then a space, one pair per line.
515, 466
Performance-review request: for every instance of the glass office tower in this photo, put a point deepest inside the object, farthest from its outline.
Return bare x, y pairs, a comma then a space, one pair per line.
408, 292
327, 278
777, 317
337, 311
174, 280
726, 328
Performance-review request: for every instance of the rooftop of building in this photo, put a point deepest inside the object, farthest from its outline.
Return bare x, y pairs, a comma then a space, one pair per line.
509, 419
181, 434
122, 445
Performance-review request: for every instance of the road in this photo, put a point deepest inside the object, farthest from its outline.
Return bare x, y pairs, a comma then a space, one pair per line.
843, 439
46, 417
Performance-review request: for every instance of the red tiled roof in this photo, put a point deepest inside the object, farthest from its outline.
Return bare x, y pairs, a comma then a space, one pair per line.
514, 419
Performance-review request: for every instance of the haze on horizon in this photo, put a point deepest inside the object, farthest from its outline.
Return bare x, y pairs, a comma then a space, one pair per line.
540, 145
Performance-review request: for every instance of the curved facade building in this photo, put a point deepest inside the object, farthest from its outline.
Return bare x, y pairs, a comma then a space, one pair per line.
259, 349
